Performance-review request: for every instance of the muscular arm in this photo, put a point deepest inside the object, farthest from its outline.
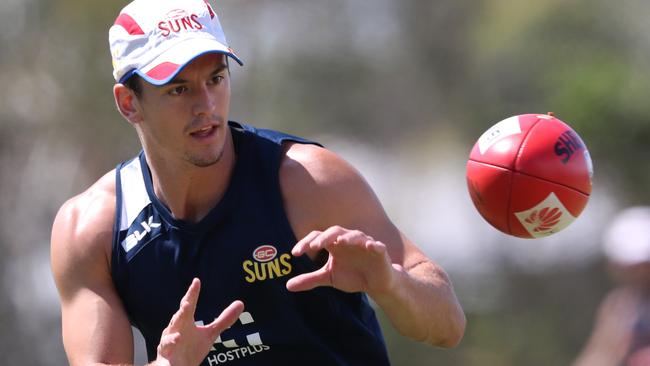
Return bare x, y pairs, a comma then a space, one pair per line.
331, 207
611, 336
96, 329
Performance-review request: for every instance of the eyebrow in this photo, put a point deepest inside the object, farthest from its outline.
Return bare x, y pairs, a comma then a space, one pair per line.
218, 69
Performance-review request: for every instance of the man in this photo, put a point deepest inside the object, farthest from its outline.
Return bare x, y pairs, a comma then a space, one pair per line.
621, 332
216, 208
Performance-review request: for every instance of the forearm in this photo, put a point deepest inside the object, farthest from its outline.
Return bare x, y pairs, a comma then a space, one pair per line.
421, 305
154, 363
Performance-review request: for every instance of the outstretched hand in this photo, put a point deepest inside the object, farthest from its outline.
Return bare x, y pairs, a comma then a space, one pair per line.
183, 343
356, 262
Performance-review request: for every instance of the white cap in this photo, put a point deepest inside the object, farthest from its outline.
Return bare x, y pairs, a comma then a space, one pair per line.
627, 240
157, 38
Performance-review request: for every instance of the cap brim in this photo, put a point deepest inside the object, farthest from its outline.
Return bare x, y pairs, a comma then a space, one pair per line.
167, 65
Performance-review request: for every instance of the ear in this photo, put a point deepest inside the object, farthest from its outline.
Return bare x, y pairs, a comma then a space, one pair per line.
127, 103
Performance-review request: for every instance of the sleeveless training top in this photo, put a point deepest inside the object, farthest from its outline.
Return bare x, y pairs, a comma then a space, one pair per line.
240, 250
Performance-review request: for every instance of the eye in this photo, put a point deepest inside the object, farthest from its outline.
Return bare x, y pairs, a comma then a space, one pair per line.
216, 79
178, 90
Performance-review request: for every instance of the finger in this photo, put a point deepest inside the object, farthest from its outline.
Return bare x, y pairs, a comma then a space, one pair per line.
303, 244
226, 319
353, 237
327, 238
191, 296
376, 246
186, 307
308, 281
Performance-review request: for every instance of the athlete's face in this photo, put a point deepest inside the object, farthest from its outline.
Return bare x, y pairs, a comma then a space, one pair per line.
187, 118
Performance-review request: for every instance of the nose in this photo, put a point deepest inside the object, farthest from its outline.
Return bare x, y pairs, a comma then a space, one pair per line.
205, 101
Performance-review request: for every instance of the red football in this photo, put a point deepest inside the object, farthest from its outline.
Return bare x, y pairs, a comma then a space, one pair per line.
529, 175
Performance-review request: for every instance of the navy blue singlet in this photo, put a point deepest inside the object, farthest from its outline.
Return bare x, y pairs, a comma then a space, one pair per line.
240, 250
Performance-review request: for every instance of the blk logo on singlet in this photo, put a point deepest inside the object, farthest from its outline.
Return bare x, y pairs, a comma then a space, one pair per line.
266, 264
135, 236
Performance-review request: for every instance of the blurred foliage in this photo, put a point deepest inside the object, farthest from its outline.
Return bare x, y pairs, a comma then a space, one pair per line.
384, 72
581, 60
541, 319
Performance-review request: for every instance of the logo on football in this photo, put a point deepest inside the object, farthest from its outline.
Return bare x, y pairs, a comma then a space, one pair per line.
530, 175
546, 218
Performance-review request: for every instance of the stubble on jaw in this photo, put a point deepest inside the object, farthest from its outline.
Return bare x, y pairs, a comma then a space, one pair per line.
204, 162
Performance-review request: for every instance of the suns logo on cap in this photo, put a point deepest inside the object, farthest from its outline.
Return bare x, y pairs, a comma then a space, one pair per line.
178, 20
267, 264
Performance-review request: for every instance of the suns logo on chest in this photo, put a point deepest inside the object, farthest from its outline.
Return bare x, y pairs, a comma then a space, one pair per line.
266, 264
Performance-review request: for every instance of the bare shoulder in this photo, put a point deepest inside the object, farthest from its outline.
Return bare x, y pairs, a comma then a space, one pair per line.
82, 233
316, 177
80, 256
320, 189
306, 164
621, 301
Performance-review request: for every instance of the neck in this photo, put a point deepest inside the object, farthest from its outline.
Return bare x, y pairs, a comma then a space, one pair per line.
190, 192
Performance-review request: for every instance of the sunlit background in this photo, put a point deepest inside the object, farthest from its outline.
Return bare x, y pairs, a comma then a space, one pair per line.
402, 89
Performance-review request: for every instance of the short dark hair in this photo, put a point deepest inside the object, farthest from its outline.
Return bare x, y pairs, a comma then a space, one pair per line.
134, 82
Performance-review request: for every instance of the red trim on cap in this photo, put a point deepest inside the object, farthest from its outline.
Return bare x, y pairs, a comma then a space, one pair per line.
209, 9
162, 71
130, 25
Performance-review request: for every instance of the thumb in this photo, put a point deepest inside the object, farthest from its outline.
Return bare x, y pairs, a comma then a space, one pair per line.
308, 281
226, 319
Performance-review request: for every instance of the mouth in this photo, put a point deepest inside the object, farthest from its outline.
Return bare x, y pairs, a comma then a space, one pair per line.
203, 132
